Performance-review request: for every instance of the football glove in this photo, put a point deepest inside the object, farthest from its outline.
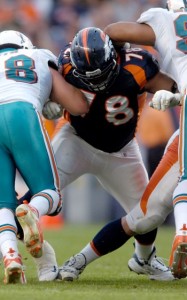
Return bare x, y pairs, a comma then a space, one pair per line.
164, 99
52, 110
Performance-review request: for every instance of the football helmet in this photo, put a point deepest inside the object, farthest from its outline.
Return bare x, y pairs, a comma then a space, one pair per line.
14, 39
174, 5
93, 57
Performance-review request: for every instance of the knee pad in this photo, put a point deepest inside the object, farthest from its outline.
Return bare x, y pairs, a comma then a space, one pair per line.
140, 223
145, 225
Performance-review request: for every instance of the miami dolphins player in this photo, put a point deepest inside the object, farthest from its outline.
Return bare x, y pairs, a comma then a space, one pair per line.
166, 30
28, 78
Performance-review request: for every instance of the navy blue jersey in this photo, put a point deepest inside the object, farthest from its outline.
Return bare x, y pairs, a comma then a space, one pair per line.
112, 119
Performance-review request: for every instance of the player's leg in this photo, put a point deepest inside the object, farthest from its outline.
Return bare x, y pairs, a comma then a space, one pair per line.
31, 149
122, 181
178, 255
134, 176
73, 155
73, 158
13, 266
156, 202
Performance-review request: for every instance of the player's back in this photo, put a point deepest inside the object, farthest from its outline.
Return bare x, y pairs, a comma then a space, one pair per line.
25, 76
171, 34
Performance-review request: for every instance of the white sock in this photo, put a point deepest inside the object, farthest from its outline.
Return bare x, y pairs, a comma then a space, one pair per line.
8, 240
45, 202
143, 251
9, 247
89, 253
180, 206
41, 205
180, 215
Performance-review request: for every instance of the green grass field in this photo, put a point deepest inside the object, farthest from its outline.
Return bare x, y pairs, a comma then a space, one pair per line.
108, 278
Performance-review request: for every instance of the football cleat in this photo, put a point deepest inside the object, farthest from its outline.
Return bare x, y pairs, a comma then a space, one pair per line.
154, 267
72, 268
178, 257
47, 267
14, 272
33, 237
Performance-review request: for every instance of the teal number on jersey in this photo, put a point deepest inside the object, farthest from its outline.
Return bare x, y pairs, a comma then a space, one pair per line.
181, 31
20, 68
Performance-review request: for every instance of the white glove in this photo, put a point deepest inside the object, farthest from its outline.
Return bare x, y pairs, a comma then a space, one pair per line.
52, 110
164, 99
127, 46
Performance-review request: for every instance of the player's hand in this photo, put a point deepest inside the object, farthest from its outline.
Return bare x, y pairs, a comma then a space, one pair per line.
127, 46
52, 110
119, 46
164, 99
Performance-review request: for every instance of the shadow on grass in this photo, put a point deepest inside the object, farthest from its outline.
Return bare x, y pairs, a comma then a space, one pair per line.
139, 282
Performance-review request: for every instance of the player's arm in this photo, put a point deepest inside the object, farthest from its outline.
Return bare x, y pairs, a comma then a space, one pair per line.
165, 92
131, 32
68, 96
161, 81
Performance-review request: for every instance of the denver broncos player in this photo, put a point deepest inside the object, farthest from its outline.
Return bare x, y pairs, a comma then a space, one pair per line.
102, 142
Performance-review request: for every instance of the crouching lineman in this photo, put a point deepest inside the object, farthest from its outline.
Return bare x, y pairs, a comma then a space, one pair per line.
102, 142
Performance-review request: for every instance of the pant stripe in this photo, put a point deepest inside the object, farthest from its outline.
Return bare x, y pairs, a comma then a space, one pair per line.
51, 156
166, 163
183, 141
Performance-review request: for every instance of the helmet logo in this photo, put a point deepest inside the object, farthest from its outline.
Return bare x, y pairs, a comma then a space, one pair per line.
21, 37
108, 48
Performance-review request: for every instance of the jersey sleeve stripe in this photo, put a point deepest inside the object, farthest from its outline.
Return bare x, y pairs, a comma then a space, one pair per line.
138, 74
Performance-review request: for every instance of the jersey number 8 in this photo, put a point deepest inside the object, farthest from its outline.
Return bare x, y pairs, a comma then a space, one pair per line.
21, 68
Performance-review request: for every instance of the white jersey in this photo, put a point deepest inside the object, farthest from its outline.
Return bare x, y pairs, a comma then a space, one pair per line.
25, 76
171, 34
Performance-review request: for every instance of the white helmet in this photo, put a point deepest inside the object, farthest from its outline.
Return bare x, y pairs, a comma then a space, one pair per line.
14, 39
175, 5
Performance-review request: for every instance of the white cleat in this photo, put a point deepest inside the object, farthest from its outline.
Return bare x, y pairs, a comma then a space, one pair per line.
14, 272
33, 237
72, 268
47, 267
154, 267
178, 256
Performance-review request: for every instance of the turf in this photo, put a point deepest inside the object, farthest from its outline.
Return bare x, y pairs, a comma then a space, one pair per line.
108, 278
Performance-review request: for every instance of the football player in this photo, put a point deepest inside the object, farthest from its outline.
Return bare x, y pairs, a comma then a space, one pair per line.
27, 80
103, 141
166, 30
